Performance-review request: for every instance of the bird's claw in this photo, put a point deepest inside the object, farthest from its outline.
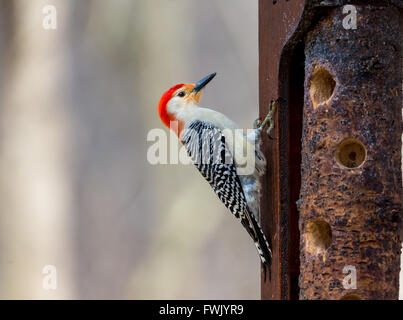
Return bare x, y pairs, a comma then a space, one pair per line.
256, 123
269, 118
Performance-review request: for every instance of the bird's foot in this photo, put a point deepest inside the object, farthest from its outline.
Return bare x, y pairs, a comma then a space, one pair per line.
269, 120
256, 123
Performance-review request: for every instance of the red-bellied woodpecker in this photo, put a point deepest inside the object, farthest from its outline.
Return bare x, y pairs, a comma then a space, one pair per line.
211, 141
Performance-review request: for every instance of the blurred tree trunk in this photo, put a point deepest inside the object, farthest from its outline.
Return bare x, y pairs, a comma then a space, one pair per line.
35, 190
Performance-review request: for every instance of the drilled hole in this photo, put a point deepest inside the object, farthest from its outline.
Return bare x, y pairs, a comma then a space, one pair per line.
322, 86
351, 296
350, 153
318, 236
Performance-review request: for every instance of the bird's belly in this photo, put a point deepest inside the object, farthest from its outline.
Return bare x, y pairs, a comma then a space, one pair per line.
251, 188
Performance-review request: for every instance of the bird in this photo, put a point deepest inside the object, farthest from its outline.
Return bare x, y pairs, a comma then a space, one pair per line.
211, 139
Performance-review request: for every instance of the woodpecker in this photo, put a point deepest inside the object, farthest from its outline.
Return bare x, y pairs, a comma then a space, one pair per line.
205, 133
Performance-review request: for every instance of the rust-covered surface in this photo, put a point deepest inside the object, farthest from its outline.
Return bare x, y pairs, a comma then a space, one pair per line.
351, 191
374, 77
278, 23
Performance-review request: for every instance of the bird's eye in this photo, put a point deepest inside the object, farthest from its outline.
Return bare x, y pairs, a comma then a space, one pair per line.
181, 94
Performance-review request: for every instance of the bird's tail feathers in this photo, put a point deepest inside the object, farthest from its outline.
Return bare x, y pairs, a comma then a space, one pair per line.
262, 245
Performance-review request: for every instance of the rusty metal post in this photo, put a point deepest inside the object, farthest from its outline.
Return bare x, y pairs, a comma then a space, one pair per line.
278, 25
316, 94
351, 195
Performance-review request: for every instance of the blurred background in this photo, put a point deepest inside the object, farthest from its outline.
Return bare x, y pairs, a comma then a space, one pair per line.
76, 189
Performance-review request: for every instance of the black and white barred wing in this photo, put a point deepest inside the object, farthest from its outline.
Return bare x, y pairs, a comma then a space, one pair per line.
206, 147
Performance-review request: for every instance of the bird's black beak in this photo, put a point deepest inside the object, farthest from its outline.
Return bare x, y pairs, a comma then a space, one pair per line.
203, 82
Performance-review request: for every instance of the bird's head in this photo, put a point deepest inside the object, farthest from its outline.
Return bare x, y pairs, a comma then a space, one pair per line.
180, 99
